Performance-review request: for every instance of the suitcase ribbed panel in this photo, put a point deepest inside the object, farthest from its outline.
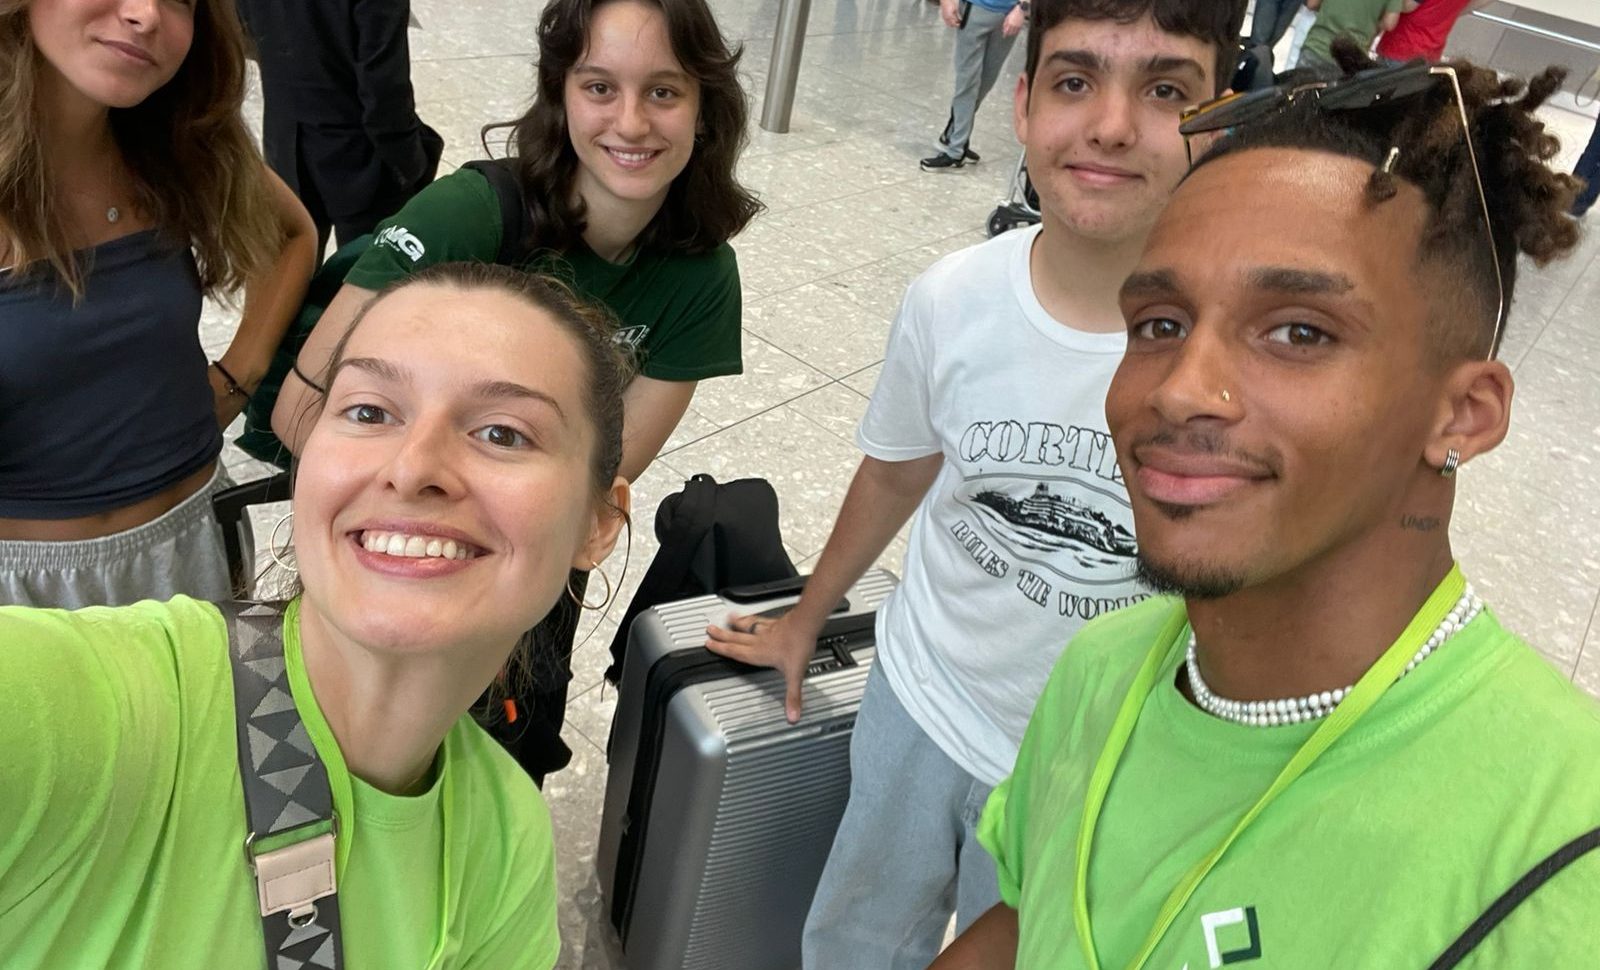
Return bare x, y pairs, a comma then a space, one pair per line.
780, 793
719, 814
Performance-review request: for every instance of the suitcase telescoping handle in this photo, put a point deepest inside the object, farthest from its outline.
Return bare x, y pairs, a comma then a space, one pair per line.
777, 588
756, 592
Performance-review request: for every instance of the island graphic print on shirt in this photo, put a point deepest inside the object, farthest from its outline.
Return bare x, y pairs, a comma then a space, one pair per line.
1042, 506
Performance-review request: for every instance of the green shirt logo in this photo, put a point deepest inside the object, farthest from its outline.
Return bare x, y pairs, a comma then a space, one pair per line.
1219, 927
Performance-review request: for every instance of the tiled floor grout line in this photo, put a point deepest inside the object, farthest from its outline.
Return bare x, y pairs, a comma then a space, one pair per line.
818, 424
756, 414
894, 255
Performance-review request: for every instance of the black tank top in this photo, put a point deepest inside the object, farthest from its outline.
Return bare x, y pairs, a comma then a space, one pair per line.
105, 403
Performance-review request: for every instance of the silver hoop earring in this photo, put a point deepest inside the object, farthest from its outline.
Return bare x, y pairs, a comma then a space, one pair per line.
272, 544
1452, 461
594, 567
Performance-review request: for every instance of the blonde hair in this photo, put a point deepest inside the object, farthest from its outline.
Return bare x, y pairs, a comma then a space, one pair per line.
196, 170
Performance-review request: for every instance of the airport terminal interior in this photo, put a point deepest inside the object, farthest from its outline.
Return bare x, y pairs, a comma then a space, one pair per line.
851, 220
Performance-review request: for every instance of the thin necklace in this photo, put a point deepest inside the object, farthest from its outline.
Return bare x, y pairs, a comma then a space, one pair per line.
1311, 707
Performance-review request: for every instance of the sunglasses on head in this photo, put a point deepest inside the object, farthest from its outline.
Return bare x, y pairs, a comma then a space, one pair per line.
1364, 89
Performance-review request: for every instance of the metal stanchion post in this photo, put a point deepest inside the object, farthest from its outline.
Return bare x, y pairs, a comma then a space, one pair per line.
784, 71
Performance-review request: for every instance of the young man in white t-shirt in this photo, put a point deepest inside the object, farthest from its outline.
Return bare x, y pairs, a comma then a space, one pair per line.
989, 423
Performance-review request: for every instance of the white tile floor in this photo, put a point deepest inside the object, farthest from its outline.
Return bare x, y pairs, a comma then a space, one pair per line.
850, 221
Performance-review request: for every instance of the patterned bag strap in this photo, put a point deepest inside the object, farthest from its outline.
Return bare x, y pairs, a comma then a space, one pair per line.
288, 804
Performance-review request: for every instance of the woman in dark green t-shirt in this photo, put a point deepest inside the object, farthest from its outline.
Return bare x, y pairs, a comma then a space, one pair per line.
626, 163
626, 160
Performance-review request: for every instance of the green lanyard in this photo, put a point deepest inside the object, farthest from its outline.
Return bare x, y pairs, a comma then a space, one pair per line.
1360, 700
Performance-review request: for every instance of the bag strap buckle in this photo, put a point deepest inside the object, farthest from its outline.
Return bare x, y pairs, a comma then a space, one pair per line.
293, 877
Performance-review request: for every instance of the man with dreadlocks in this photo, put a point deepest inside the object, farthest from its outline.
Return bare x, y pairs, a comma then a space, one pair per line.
1323, 750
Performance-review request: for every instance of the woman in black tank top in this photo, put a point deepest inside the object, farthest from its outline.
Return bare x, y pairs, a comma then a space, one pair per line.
129, 189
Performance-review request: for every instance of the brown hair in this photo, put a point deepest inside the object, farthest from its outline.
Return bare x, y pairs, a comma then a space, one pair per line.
1214, 22
589, 324
195, 168
608, 372
705, 205
1528, 201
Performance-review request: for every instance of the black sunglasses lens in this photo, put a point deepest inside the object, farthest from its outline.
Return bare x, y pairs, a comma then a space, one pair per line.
1378, 85
1239, 109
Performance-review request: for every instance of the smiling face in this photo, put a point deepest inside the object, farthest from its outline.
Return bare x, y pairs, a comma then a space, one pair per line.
1279, 388
116, 53
631, 109
1099, 122
447, 487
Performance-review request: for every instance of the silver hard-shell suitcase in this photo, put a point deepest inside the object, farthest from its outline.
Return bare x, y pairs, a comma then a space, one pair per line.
719, 814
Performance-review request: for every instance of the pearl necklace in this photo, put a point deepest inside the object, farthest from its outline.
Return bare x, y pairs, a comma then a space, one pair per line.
1295, 710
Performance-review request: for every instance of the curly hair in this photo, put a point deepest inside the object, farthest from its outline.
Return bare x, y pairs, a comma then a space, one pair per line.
705, 206
195, 167
1418, 140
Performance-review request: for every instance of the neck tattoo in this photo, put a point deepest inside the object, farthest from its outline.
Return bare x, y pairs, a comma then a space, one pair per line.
1311, 707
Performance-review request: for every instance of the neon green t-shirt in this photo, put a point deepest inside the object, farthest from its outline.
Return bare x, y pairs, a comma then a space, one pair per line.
1468, 772
680, 313
122, 816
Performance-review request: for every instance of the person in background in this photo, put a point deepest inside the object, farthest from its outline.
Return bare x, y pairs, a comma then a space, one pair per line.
1358, 20
443, 493
1321, 748
1588, 169
1268, 24
130, 190
985, 33
340, 124
627, 164
987, 430
1422, 31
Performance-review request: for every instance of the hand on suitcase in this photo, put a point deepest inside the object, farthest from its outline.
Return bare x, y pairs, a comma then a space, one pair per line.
783, 644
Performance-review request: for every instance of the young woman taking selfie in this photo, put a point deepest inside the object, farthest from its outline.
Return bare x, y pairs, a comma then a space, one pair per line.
444, 491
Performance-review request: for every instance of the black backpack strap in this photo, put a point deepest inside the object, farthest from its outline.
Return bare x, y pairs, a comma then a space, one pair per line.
288, 804
1513, 897
516, 223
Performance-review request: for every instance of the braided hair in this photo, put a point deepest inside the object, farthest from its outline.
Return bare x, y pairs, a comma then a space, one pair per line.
1418, 140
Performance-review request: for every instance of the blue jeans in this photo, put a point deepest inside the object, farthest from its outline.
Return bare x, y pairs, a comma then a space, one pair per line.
906, 856
1589, 170
1271, 21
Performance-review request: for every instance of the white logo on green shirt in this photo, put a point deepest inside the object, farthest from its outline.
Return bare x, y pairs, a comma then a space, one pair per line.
1214, 923
402, 239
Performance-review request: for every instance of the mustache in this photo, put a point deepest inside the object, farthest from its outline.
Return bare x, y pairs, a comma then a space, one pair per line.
1213, 444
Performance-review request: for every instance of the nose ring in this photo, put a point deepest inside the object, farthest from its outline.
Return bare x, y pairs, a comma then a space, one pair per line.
1226, 397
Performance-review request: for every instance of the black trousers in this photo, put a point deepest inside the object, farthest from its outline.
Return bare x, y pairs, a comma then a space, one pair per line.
344, 214
534, 739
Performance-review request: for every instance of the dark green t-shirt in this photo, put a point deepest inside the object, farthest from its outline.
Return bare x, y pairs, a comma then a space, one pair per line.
679, 313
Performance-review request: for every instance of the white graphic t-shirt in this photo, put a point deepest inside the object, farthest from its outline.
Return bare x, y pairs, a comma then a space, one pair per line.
1026, 532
